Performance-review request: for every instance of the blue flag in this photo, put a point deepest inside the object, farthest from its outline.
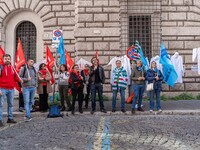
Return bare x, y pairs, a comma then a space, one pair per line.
169, 73
61, 51
142, 58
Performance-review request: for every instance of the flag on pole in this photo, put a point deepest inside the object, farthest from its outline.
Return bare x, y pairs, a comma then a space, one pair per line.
142, 57
1, 55
20, 58
61, 51
97, 56
69, 61
169, 73
50, 63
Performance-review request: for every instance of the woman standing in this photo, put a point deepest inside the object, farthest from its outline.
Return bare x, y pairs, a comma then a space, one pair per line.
76, 81
44, 87
155, 76
63, 78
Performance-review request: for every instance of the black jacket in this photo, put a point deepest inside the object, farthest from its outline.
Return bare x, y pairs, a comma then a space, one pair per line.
92, 75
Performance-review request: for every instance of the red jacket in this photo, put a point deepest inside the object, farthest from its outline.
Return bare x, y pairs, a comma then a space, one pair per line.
8, 77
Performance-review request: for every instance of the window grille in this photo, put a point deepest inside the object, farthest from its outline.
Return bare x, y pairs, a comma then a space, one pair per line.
141, 20
27, 33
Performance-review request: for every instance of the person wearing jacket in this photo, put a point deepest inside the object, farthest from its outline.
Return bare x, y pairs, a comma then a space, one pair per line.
138, 77
44, 87
155, 76
85, 74
8, 79
76, 81
29, 76
96, 81
63, 77
119, 83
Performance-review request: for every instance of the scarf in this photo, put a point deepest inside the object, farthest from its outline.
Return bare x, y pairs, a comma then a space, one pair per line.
86, 72
44, 74
139, 68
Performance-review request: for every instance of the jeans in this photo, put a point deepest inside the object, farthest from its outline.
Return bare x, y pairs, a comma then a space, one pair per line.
157, 92
97, 88
114, 96
138, 93
9, 94
28, 95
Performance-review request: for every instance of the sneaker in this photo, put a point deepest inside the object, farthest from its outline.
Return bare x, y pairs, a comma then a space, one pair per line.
1, 124
140, 109
160, 110
21, 109
103, 110
123, 110
27, 119
113, 110
81, 111
92, 112
72, 112
150, 110
133, 111
11, 121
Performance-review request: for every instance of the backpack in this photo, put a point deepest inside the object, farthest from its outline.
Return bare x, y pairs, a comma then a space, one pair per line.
25, 71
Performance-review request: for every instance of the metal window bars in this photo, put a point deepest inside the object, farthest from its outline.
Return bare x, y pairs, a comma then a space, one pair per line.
27, 33
141, 20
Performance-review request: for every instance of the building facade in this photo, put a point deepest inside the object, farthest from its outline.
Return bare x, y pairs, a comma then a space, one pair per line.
109, 26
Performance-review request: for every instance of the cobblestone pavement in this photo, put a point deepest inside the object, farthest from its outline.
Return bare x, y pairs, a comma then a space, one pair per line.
84, 131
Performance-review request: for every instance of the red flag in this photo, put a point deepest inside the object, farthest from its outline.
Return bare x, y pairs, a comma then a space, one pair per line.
50, 63
69, 61
97, 56
20, 59
1, 55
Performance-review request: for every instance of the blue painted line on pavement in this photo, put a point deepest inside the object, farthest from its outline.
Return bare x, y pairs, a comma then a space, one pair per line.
106, 135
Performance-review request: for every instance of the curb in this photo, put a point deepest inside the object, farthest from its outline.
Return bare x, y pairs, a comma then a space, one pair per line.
109, 113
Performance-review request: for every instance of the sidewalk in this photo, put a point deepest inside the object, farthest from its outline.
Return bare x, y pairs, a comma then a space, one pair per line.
180, 107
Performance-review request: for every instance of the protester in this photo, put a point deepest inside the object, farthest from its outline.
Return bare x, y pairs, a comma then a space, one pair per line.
85, 74
76, 81
29, 76
96, 80
63, 77
44, 87
8, 78
21, 100
119, 78
138, 78
155, 76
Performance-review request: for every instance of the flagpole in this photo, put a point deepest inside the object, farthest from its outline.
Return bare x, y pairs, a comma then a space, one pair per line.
27, 71
16, 72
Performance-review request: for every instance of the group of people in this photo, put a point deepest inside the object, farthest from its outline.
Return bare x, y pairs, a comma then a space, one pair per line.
84, 86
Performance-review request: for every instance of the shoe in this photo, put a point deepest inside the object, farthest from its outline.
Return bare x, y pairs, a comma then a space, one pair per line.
81, 111
33, 110
27, 119
113, 110
72, 112
151, 111
133, 111
92, 112
103, 110
21, 109
11, 121
160, 110
140, 109
62, 109
1, 124
123, 110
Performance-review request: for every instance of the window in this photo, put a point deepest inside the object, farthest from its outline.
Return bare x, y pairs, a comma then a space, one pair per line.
26, 31
140, 30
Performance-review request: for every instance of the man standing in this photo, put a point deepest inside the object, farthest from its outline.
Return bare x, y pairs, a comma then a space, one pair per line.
119, 83
8, 78
96, 80
29, 77
138, 77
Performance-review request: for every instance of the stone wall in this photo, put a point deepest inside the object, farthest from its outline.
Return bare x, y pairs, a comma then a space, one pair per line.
181, 32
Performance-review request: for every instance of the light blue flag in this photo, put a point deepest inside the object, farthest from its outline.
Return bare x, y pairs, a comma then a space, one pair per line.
169, 73
61, 51
142, 57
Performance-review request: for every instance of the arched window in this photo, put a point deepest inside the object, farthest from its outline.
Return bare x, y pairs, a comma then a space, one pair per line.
26, 31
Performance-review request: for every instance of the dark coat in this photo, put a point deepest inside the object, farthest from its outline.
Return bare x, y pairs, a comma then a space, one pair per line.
151, 79
92, 75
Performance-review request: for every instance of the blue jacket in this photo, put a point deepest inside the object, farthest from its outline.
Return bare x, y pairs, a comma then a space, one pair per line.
151, 79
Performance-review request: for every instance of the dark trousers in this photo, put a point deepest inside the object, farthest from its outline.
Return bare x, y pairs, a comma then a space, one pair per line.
21, 100
97, 88
86, 97
63, 91
43, 99
77, 92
